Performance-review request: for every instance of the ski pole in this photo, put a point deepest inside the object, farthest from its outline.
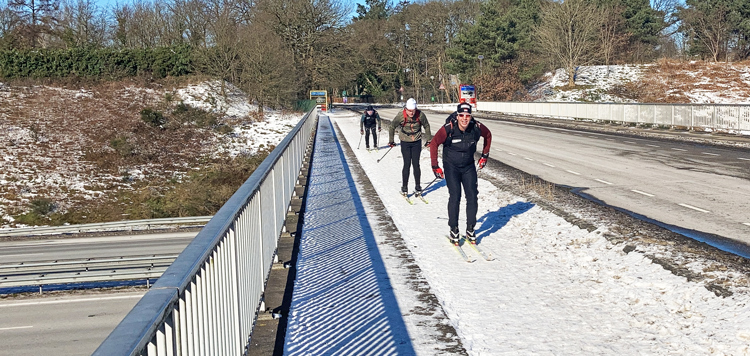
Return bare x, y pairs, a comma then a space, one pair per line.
428, 185
386, 152
360, 140
379, 132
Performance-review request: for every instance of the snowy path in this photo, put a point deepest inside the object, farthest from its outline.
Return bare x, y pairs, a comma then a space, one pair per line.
554, 289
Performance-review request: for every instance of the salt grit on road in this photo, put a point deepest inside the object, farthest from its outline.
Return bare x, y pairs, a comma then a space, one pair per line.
554, 289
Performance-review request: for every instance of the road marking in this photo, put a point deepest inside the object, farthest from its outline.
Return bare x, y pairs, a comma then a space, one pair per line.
694, 208
593, 137
631, 142
24, 304
678, 149
17, 327
576, 173
744, 159
512, 154
609, 139
748, 224
710, 154
652, 145
603, 181
548, 165
640, 192
528, 159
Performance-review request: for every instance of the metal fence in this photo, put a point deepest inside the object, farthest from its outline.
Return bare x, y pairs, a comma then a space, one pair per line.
207, 301
720, 117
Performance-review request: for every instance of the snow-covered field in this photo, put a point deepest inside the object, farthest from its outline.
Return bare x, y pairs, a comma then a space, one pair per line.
50, 138
554, 289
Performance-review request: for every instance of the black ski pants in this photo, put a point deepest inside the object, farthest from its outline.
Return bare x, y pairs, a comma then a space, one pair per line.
369, 130
455, 177
410, 151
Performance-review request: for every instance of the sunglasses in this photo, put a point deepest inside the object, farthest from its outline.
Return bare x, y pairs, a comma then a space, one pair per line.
464, 115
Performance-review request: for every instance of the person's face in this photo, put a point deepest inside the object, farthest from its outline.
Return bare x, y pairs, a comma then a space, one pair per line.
463, 120
369, 112
409, 113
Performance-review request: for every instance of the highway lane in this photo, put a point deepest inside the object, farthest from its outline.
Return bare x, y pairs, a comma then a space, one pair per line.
92, 247
703, 189
62, 325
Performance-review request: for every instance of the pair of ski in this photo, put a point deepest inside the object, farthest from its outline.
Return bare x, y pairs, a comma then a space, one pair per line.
460, 249
411, 202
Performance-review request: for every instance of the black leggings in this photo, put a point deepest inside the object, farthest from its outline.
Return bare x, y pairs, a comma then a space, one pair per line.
369, 130
410, 151
455, 177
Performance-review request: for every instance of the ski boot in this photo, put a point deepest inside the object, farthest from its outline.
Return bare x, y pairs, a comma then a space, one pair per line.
418, 191
404, 191
454, 237
471, 236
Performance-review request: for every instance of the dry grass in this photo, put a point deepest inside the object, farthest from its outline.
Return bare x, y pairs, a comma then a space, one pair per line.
670, 81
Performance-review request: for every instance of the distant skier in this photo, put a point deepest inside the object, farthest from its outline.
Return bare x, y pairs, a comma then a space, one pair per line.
459, 138
410, 123
370, 119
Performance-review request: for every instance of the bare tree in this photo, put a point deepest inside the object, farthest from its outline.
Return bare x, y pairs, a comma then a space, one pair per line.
712, 27
83, 24
36, 18
611, 35
568, 33
266, 67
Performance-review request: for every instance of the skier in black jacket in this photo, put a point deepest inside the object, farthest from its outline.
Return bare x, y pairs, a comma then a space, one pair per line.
367, 123
459, 138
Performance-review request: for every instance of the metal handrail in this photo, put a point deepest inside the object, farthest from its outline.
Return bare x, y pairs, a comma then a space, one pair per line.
207, 301
722, 117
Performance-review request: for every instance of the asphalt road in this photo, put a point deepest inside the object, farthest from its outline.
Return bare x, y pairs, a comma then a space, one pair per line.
70, 325
695, 189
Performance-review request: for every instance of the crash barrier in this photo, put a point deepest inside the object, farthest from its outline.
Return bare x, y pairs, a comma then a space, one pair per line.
719, 117
145, 224
58, 272
207, 301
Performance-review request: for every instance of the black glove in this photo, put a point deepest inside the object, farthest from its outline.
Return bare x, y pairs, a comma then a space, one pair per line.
427, 144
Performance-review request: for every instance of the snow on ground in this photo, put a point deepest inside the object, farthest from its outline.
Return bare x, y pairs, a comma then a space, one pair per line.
554, 289
248, 135
43, 152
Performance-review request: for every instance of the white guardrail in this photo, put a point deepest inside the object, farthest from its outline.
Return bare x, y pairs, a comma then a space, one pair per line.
721, 117
107, 226
207, 301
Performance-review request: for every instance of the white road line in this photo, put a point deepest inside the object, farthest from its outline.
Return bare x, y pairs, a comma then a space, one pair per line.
24, 304
512, 154
678, 149
576, 173
640, 192
694, 208
17, 327
593, 137
609, 139
631, 142
710, 154
744, 159
748, 224
548, 165
603, 181
528, 159
653, 145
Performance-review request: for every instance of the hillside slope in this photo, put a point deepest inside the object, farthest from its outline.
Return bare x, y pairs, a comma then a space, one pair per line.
88, 153
666, 81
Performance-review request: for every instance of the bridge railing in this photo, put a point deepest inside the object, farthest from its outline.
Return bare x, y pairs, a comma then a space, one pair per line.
721, 117
207, 301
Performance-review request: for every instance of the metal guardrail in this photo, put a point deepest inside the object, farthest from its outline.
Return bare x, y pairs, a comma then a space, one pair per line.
108, 226
89, 270
207, 301
720, 117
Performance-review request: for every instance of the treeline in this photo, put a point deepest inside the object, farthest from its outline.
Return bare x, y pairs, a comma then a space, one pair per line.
278, 50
